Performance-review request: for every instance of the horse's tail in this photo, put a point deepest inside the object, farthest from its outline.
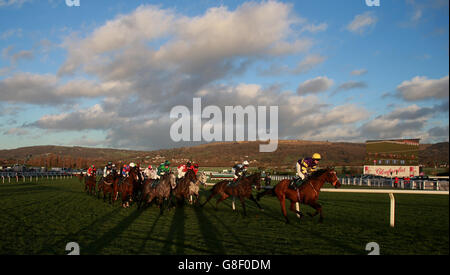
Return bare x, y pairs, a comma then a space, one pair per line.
265, 192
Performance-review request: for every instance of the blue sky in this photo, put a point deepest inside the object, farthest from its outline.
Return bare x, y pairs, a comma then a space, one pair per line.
107, 73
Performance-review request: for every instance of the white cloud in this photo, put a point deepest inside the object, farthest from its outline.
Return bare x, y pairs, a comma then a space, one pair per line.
316, 85
18, 3
362, 22
309, 63
420, 88
48, 89
315, 28
359, 72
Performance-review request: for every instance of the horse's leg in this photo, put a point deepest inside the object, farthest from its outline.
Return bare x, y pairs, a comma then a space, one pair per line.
318, 209
161, 207
293, 209
257, 204
243, 205
282, 200
261, 194
209, 198
222, 198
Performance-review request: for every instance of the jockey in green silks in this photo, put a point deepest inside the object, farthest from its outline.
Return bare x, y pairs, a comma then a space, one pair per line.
163, 168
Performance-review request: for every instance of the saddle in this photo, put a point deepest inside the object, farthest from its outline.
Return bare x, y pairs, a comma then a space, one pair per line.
107, 179
295, 183
155, 183
232, 183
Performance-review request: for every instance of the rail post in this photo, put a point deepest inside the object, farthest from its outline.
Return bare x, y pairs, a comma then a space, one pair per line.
392, 220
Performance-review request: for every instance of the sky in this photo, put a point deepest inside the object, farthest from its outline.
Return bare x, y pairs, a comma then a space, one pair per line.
107, 73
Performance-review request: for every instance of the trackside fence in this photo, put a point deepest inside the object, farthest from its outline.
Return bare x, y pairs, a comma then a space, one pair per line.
21, 177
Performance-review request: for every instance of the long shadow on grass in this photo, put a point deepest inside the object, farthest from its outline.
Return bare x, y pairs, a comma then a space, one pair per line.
236, 237
209, 233
176, 232
149, 234
92, 227
113, 233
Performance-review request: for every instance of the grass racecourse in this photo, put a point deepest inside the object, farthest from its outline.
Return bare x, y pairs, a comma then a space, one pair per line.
42, 217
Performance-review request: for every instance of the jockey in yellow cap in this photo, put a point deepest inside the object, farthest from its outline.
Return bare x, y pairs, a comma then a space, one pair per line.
304, 167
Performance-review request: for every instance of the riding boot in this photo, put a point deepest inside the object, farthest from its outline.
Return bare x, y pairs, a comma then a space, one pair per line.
293, 184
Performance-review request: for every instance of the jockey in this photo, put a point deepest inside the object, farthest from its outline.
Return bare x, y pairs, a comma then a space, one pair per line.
108, 169
304, 168
92, 171
182, 169
240, 170
125, 170
164, 168
193, 167
114, 169
150, 173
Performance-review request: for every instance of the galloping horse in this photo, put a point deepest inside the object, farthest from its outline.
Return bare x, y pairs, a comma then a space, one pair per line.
242, 190
137, 184
194, 187
307, 193
109, 185
161, 190
89, 183
126, 188
181, 191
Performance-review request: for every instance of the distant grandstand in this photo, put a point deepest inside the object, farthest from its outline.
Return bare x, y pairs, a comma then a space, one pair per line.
395, 157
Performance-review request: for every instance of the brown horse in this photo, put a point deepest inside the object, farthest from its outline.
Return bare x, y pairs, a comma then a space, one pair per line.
307, 193
90, 183
182, 190
242, 190
126, 188
160, 189
109, 185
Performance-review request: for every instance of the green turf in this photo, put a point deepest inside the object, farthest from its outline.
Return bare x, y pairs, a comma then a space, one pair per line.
41, 218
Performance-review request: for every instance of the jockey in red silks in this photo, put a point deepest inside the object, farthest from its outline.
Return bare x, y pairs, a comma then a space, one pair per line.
193, 167
183, 168
92, 171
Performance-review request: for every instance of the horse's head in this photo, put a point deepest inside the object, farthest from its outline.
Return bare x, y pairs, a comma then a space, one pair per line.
172, 179
134, 173
202, 178
255, 179
190, 174
332, 177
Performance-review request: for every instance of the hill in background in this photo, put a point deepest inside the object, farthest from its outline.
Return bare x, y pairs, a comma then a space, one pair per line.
219, 154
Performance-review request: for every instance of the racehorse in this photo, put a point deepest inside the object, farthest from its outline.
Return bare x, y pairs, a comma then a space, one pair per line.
109, 185
137, 184
89, 183
182, 189
126, 188
160, 190
242, 190
194, 187
307, 193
